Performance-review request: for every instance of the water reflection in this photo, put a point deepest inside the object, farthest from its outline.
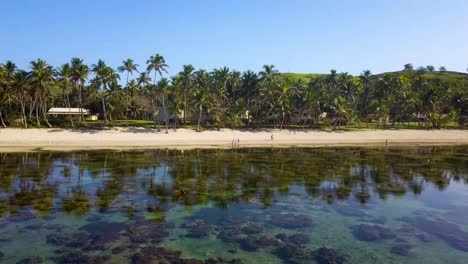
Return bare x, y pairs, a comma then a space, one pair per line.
75, 182
168, 205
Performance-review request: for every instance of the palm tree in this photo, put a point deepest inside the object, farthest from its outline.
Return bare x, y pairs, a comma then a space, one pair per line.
187, 77
156, 63
176, 102
144, 79
8, 70
64, 73
268, 72
341, 111
162, 88
103, 76
128, 66
202, 84
249, 89
20, 85
366, 81
132, 89
268, 86
80, 73
42, 77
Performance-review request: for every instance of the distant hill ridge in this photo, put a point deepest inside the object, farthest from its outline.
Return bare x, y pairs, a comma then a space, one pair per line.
448, 76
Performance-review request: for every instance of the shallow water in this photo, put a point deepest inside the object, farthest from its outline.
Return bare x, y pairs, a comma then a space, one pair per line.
322, 205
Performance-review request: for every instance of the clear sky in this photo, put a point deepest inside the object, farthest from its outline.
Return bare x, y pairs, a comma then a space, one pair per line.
294, 35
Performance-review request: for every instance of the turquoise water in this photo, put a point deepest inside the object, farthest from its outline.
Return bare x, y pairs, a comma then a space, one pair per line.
318, 205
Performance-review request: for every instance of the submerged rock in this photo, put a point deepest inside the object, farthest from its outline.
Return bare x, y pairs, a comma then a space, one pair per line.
73, 257
56, 239
152, 254
291, 253
254, 244
229, 235
30, 260
425, 238
103, 227
298, 239
5, 237
118, 250
222, 260
292, 221
329, 256
21, 216
346, 210
252, 229
451, 233
372, 233
198, 228
281, 236
401, 250
146, 230
249, 244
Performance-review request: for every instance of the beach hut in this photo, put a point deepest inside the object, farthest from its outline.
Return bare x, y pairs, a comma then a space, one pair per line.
65, 111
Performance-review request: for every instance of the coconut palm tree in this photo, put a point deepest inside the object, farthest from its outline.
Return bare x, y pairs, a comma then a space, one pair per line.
132, 90
367, 82
249, 89
80, 73
187, 77
7, 71
128, 66
42, 77
20, 86
64, 74
104, 75
202, 86
144, 79
156, 63
162, 88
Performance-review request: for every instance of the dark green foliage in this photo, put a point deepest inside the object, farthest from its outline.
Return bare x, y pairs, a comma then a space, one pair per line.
423, 98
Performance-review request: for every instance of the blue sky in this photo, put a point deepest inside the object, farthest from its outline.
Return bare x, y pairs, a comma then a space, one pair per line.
294, 35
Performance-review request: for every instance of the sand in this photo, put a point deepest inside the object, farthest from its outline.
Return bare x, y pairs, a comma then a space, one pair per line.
14, 139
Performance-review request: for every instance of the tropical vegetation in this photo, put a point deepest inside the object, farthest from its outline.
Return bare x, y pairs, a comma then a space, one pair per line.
229, 98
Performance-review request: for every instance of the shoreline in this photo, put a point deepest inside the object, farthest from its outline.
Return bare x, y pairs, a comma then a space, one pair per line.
120, 138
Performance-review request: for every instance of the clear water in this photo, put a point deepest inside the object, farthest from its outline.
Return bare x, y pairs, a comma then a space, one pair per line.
322, 205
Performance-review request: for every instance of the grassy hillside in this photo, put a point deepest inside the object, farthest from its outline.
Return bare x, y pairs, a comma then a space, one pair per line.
448, 76
306, 77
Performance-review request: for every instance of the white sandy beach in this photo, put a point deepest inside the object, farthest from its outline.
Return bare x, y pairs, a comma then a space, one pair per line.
14, 139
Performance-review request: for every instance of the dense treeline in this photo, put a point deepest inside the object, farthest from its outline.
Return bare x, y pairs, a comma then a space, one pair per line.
229, 98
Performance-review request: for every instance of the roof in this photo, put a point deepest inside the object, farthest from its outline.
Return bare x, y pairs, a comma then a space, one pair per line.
67, 111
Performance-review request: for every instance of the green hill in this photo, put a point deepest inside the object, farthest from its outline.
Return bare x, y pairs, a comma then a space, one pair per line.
306, 77
448, 76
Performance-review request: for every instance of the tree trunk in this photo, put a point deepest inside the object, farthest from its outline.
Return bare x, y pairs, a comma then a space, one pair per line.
37, 115
44, 112
23, 112
69, 110
1, 119
199, 117
185, 106
154, 112
104, 109
80, 99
